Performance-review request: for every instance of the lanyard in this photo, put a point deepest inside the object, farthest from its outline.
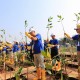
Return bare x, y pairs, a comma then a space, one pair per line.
78, 40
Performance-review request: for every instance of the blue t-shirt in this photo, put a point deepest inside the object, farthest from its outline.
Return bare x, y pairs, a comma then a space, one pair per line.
5, 49
45, 45
37, 45
15, 48
77, 38
22, 46
54, 42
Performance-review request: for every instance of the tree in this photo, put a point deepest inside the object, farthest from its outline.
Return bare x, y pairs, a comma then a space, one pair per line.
77, 17
4, 34
60, 20
26, 24
49, 25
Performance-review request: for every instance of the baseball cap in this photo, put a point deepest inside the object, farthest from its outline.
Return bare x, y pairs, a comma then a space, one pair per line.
31, 29
52, 34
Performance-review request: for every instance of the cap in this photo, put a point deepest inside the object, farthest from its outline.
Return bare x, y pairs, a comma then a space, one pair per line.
52, 34
78, 26
31, 29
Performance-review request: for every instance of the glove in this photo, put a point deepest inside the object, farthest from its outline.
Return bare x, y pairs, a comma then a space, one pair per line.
28, 35
67, 35
50, 45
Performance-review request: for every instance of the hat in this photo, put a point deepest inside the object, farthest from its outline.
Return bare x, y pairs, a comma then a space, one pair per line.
31, 29
52, 34
78, 26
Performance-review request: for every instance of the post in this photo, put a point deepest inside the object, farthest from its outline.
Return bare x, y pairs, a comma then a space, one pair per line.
25, 30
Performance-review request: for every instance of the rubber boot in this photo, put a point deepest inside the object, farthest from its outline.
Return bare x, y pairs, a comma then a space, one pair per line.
38, 74
43, 74
79, 73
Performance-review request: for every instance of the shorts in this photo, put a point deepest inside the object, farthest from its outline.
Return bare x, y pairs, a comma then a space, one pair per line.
39, 60
78, 48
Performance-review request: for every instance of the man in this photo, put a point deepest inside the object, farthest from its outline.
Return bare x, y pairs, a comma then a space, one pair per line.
77, 38
37, 48
15, 49
54, 46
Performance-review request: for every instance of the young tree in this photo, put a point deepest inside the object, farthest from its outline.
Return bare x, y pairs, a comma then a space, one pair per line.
77, 17
26, 24
60, 20
4, 34
49, 25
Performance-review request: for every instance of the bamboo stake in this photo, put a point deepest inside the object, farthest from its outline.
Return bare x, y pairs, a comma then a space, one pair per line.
4, 55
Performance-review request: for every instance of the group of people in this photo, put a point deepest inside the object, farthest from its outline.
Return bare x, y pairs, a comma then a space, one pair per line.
38, 47
15, 47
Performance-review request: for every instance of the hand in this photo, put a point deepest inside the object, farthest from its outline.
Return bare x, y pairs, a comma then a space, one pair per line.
67, 35
51, 45
28, 35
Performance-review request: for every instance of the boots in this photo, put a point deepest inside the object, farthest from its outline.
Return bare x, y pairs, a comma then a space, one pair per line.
79, 72
38, 74
43, 74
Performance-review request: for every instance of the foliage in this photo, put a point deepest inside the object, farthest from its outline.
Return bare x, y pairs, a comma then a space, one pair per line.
60, 20
17, 74
77, 17
49, 25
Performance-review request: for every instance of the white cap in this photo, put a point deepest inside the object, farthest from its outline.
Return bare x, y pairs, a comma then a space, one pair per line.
52, 34
31, 29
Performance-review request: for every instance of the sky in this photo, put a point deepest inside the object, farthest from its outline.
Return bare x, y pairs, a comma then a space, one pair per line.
13, 14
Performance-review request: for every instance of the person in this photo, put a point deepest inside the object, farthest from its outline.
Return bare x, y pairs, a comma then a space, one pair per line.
38, 57
45, 44
15, 49
77, 38
54, 46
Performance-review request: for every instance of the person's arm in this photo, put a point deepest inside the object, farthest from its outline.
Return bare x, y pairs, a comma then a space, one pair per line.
31, 37
37, 37
34, 38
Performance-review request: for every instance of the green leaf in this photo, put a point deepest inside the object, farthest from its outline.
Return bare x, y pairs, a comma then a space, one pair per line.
58, 21
51, 26
62, 18
74, 20
48, 66
49, 72
75, 14
47, 27
19, 71
44, 53
79, 13
59, 16
2, 36
50, 19
26, 24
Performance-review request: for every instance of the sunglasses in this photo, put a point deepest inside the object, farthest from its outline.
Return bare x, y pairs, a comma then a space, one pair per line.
77, 29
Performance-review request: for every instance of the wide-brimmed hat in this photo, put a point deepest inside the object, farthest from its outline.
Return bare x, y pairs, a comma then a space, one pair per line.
77, 27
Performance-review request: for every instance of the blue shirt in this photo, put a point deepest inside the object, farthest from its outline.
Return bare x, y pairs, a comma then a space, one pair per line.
15, 48
22, 47
54, 42
37, 45
77, 38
